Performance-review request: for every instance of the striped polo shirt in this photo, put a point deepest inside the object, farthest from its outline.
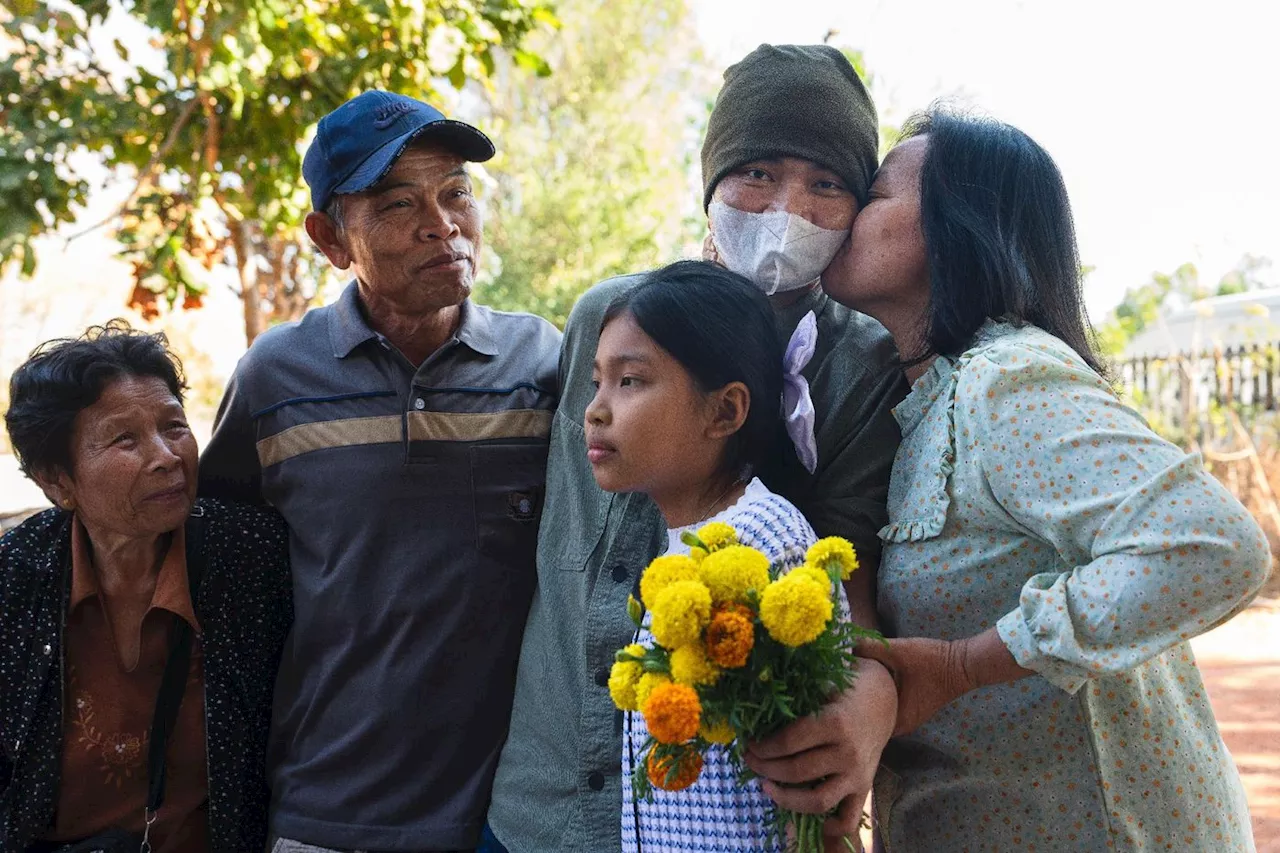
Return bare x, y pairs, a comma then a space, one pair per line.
412, 494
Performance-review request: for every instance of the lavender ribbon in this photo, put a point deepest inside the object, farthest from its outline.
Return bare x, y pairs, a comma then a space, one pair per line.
797, 404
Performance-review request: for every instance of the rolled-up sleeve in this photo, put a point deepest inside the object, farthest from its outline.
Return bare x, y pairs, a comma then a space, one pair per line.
1153, 549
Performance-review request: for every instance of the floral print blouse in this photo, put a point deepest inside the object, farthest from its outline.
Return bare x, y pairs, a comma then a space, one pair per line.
1026, 496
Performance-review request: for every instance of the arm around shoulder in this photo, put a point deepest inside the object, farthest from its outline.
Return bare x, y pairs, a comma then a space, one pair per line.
254, 545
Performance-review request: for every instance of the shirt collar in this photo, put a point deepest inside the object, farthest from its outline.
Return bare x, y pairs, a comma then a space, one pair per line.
476, 330
924, 393
172, 591
348, 327
84, 584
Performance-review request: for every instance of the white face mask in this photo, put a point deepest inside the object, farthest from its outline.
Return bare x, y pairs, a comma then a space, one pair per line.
779, 251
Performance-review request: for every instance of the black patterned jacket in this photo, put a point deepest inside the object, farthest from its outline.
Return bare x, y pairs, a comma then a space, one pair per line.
245, 608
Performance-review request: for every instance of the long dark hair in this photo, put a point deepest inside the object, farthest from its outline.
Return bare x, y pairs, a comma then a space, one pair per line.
721, 329
998, 234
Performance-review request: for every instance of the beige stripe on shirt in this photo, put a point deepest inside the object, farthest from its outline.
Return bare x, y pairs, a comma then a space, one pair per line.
386, 429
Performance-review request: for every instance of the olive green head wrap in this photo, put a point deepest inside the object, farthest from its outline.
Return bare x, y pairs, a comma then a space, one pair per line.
793, 101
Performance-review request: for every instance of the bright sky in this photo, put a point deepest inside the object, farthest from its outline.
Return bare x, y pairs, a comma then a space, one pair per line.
1163, 116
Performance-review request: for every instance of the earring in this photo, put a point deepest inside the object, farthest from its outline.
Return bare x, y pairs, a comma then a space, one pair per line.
69, 504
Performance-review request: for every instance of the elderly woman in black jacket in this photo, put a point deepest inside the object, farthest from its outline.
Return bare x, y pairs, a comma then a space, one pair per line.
131, 616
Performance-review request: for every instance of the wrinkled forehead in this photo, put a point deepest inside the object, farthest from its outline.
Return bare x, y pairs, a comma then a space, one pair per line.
424, 162
125, 397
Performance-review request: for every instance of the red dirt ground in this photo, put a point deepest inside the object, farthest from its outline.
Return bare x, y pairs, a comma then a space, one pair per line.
1240, 662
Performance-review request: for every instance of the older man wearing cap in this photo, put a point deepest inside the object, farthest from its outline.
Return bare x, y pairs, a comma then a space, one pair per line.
789, 155
402, 432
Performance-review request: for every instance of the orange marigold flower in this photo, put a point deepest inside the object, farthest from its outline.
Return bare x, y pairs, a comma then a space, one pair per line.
687, 766
673, 713
730, 635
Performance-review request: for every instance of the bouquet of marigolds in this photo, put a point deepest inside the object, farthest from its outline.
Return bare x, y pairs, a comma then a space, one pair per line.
741, 650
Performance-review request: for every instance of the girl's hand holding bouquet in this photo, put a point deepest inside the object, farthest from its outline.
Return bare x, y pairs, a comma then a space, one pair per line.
825, 763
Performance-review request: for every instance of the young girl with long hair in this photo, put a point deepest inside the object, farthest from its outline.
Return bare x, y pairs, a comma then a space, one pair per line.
689, 379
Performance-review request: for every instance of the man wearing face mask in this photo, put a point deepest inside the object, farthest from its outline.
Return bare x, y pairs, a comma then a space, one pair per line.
789, 155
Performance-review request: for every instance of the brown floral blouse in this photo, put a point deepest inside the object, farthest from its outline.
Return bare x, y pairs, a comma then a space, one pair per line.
107, 720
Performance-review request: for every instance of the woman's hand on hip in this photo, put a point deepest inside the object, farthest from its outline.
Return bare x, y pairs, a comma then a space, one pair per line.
829, 760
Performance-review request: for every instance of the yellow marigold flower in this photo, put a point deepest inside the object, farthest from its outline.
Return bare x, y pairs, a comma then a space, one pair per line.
687, 765
673, 713
730, 635
717, 535
795, 609
689, 665
648, 683
697, 554
717, 732
733, 570
635, 650
623, 678
818, 575
682, 610
663, 572
833, 552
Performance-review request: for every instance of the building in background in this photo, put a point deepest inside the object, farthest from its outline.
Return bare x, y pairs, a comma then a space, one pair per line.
1219, 322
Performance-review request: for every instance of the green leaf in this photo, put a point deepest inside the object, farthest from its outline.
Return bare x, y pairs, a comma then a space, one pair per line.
532, 62
545, 16
691, 539
28, 259
457, 75
635, 610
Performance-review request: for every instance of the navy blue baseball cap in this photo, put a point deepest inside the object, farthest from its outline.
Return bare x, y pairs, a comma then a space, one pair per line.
359, 142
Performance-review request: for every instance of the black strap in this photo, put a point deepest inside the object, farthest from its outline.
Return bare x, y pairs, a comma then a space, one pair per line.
173, 684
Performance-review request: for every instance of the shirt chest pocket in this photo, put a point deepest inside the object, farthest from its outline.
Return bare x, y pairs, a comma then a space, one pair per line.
508, 484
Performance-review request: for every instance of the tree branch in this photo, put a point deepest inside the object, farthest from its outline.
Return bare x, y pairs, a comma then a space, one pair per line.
212, 133
147, 174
